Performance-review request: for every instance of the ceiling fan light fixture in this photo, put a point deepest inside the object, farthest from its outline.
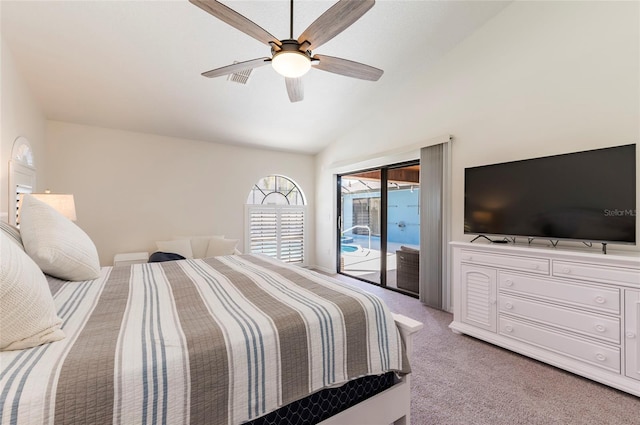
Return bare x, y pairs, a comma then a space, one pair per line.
290, 63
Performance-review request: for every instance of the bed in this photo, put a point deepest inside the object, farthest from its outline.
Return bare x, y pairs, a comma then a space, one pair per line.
221, 340
226, 339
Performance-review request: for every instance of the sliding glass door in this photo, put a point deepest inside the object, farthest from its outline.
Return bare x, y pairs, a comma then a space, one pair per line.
379, 226
403, 232
360, 224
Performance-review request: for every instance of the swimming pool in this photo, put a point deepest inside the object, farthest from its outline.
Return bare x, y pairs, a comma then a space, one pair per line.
346, 239
349, 248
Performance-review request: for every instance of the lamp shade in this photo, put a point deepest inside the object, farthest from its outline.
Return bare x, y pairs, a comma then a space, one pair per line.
291, 64
63, 203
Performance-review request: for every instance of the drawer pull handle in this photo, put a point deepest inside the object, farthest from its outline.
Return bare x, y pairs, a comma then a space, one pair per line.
467, 258
631, 335
535, 266
600, 300
508, 328
600, 328
508, 282
566, 270
601, 357
508, 306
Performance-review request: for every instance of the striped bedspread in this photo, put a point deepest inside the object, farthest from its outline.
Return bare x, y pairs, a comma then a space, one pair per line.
215, 341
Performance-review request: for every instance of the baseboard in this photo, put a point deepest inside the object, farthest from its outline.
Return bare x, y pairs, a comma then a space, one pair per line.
321, 269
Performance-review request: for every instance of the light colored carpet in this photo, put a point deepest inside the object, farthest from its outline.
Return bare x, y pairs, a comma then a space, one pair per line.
463, 381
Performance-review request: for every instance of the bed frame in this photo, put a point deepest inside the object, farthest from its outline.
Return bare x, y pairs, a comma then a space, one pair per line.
392, 406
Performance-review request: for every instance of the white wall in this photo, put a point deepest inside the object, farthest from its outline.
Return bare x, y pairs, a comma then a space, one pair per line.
540, 78
132, 189
19, 116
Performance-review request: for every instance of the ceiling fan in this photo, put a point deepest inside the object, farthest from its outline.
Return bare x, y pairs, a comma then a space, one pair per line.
293, 58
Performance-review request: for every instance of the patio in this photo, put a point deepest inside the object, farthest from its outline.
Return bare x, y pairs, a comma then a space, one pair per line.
364, 262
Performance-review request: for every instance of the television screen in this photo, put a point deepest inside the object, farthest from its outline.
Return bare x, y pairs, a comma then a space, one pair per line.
588, 196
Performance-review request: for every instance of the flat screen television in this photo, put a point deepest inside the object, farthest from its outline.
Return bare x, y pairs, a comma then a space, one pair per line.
588, 196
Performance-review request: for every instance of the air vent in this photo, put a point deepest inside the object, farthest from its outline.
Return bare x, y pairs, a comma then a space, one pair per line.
241, 77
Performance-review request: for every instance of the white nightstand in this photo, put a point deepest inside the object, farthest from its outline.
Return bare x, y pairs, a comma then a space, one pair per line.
128, 258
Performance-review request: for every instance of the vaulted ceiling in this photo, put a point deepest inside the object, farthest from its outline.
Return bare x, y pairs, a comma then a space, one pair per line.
136, 65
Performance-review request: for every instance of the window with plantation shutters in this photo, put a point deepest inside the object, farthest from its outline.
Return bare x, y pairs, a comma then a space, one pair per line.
276, 220
277, 231
22, 176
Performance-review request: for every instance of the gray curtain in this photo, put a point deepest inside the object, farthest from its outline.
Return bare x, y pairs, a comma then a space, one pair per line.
434, 224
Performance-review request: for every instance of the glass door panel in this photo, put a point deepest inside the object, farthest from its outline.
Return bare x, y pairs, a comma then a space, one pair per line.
360, 225
403, 228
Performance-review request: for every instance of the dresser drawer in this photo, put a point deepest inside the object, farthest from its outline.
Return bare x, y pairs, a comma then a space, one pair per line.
606, 357
573, 294
528, 264
588, 324
596, 273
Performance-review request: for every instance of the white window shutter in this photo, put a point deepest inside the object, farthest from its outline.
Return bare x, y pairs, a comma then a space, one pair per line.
20, 190
263, 231
292, 234
277, 231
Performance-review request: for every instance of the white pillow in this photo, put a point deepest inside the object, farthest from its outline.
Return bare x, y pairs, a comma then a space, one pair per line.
219, 246
12, 232
180, 246
199, 244
55, 243
27, 311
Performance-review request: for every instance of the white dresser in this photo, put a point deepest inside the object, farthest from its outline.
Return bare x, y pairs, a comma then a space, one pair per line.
579, 311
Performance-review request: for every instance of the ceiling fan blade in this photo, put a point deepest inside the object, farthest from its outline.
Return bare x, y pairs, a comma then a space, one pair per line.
335, 20
236, 67
295, 89
347, 68
236, 20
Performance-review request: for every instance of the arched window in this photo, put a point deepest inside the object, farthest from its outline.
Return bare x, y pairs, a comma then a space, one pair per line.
275, 217
21, 152
22, 174
278, 190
